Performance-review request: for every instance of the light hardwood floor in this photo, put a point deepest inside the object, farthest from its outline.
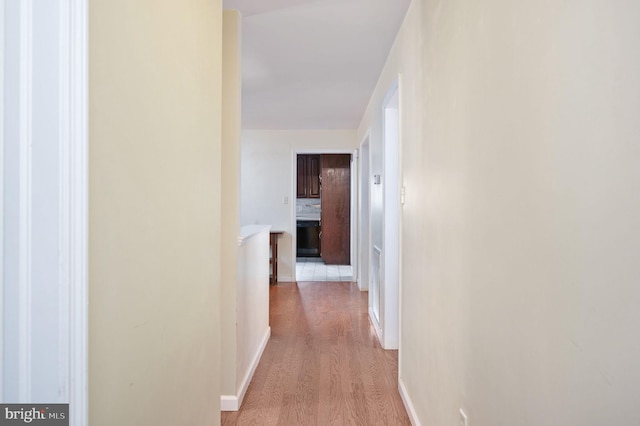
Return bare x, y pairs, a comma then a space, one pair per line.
323, 364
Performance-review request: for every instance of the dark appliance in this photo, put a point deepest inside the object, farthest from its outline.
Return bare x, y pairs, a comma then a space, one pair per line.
308, 236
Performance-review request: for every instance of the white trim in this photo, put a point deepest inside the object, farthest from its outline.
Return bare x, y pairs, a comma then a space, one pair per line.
377, 328
229, 403
376, 290
401, 195
390, 288
64, 216
2, 214
26, 110
323, 151
408, 404
252, 369
234, 402
363, 252
285, 278
292, 206
354, 223
376, 322
294, 216
79, 202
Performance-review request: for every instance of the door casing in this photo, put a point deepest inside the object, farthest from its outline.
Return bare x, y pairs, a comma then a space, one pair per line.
354, 198
63, 242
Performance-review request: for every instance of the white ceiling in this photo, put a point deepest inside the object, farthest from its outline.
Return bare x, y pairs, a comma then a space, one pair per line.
313, 64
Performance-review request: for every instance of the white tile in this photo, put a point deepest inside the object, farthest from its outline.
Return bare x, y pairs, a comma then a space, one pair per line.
319, 277
314, 269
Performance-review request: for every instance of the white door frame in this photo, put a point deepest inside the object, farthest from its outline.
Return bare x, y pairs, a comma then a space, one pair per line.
2, 30
72, 116
364, 213
388, 327
353, 258
78, 15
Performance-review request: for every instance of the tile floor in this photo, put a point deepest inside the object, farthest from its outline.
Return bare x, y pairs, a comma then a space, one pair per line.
314, 269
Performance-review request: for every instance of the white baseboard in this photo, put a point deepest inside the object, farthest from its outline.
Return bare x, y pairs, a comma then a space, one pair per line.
377, 328
229, 403
285, 279
363, 285
234, 402
408, 405
252, 369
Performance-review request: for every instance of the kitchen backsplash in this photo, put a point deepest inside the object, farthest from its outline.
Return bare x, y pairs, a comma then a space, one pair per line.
308, 207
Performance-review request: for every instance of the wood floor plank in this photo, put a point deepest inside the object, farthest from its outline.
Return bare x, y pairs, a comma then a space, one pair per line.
323, 364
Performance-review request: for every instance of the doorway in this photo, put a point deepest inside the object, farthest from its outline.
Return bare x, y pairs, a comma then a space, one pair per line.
384, 248
364, 208
324, 216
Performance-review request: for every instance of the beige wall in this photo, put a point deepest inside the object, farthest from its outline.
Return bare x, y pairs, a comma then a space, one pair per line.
267, 177
154, 220
520, 297
231, 125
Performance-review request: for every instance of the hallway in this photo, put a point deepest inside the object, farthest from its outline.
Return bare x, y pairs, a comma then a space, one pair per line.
323, 363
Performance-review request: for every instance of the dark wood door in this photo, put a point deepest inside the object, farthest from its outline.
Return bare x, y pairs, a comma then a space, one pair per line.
336, 208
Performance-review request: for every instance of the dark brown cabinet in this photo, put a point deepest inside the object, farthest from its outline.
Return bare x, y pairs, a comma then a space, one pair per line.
308, 176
